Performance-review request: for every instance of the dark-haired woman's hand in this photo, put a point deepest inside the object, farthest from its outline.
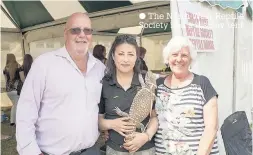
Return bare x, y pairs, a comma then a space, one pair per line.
139, 139
122, 125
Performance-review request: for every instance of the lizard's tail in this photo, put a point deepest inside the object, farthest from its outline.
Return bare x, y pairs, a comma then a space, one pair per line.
141, 80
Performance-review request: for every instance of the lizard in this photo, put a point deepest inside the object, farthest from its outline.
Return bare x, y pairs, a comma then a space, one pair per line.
142, 103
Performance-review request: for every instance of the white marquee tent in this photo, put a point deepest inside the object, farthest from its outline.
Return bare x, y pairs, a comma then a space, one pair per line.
39, 29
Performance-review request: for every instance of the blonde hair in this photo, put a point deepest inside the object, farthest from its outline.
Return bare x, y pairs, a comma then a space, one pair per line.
176, 44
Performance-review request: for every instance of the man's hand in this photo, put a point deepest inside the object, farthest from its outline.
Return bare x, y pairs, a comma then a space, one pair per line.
105, 135
139, 139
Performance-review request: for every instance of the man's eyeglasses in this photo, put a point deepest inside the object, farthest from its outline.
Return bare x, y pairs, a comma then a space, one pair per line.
78, 30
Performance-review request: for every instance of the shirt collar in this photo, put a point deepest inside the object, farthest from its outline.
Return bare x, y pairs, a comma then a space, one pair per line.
135, 80
62, 52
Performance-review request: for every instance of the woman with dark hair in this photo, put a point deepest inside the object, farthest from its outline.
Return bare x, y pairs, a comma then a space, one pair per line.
120, 85
99, 52
28, 60
144, 66
23, 70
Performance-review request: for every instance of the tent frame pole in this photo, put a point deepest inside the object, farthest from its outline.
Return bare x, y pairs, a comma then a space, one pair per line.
235, 66
142, 30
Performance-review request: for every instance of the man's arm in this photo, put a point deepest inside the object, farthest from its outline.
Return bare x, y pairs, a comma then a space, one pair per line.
28, 109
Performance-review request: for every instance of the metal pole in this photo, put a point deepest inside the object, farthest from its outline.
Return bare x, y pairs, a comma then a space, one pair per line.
235, 66
142, 30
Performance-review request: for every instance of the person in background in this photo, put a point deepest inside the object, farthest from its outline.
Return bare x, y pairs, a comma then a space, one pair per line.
10, 73
22, 73
166, 69
99, 52
120, 86
13, 80
186, 105
57, 112
23, 70
142, 53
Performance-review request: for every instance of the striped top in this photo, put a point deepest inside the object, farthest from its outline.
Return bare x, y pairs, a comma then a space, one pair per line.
180, 115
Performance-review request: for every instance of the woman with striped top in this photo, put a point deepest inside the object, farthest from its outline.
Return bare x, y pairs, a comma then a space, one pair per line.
186, 106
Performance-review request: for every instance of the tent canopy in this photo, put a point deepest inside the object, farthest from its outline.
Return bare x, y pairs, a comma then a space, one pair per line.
119, 16
24, 16
30, 13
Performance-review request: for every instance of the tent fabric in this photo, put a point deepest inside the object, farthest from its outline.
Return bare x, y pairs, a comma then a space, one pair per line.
28, 13
94, 6
137, 30
249, 8
244, 66
235, 5
45, 12
7, 23
31, 13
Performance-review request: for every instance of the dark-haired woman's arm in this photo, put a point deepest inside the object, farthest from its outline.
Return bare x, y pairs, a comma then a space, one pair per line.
120, 125
141, 138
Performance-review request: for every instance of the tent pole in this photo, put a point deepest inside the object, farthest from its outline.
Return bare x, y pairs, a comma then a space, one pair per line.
23, 45
235, 66
142, 30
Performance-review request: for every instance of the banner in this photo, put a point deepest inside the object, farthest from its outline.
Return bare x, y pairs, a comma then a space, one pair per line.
197, 25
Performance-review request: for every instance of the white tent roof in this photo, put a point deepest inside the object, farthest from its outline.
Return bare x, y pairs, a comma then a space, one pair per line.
64, 9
